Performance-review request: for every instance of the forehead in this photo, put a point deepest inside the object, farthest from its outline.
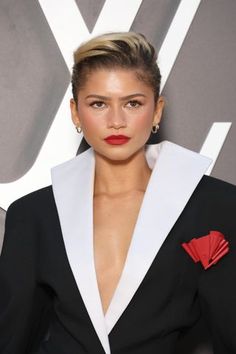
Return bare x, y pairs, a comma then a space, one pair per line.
114, 81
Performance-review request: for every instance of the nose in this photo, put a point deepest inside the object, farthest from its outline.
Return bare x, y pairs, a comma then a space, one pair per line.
116, 118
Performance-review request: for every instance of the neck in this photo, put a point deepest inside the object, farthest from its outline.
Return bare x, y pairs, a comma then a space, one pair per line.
119, 177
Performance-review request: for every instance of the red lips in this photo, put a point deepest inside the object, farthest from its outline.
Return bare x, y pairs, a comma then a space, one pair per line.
117, 139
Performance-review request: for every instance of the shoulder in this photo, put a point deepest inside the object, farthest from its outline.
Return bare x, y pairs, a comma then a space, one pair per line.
216, 183
213, 203
215, 190
24, 218
32, 203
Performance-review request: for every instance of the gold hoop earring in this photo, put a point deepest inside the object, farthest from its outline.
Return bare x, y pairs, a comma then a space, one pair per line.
78, 129
155, 128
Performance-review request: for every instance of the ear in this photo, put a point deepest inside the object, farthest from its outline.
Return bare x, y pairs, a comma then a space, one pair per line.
158, 110
74, 113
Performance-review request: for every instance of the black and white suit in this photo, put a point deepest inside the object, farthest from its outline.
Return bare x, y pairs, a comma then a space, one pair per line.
49, 298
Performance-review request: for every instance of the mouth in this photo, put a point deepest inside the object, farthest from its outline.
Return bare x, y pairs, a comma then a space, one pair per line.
117, 139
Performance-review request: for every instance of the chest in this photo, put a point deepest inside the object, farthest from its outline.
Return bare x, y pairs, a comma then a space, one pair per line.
114, 223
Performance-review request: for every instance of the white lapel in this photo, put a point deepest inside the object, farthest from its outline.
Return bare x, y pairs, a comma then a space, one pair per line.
176, 173
72, 184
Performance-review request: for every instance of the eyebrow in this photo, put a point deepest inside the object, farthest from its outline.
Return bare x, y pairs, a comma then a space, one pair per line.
121, 98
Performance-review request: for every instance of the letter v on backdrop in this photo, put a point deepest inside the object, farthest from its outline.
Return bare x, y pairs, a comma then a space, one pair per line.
69, 30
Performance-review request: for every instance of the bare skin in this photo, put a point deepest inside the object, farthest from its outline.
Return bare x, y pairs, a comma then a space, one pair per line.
117, 200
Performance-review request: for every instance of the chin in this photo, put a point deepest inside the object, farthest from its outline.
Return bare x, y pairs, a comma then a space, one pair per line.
118, 155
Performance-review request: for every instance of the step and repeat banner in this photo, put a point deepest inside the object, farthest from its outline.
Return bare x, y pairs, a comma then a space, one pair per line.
196, 43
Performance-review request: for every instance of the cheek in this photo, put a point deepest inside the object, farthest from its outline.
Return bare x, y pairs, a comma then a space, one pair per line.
144, 120
89, 121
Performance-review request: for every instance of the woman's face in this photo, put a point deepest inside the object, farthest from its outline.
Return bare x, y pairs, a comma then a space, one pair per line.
115, 102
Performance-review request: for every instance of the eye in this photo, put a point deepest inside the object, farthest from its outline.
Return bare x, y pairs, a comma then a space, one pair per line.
134, 104
97, 104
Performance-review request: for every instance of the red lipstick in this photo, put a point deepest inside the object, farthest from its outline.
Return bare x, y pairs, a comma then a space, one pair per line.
117, 139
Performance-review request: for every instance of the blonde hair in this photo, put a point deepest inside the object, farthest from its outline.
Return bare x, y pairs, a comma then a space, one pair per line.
126, 50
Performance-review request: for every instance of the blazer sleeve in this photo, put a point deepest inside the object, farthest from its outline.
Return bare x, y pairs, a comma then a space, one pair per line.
217, 285
23, 304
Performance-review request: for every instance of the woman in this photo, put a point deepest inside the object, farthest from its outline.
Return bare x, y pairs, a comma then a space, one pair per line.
94, 263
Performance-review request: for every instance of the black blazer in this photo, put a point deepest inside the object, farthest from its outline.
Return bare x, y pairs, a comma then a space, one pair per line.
41, 307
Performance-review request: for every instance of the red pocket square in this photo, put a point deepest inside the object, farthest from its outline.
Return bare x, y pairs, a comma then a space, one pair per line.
207, 249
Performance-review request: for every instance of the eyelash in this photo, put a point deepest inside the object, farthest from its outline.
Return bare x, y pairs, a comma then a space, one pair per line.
101, 103
92, 104
136, 102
